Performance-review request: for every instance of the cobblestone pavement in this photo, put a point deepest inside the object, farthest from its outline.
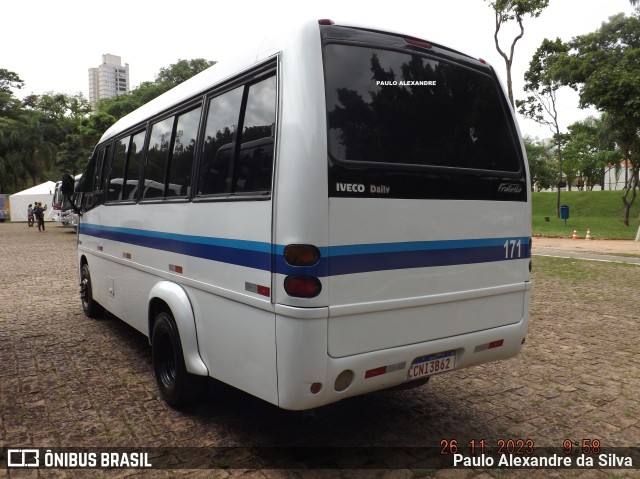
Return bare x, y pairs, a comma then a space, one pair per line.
67, 381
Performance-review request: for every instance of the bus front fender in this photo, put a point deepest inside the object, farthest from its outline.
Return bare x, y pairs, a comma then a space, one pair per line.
175, 297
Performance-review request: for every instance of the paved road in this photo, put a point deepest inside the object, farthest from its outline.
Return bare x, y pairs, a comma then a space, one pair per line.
563, 253
67, 381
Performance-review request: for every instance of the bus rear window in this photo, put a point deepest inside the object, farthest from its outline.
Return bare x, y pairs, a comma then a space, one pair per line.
398, 109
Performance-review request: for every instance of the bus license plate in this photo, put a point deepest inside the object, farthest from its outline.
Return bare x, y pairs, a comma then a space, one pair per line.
433, 364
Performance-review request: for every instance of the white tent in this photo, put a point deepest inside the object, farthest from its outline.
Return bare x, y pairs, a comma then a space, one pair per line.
19, 202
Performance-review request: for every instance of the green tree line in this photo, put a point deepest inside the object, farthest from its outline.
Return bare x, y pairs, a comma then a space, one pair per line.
43, 136
604, 68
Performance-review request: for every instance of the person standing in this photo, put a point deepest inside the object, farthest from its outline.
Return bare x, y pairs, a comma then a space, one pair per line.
30, 215
38, 211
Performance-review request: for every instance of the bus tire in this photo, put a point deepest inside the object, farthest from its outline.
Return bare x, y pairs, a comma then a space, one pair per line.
90, 306
177, 386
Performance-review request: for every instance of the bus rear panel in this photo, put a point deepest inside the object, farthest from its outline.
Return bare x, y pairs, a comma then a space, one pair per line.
425, 268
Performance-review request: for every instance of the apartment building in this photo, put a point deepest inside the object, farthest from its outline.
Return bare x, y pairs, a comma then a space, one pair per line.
108, 79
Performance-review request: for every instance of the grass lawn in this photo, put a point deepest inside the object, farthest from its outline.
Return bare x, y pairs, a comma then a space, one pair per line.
601, 212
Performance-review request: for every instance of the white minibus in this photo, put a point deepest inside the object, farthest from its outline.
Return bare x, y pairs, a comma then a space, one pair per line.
344, 210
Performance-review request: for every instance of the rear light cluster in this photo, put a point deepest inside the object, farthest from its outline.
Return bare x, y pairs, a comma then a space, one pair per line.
302, 286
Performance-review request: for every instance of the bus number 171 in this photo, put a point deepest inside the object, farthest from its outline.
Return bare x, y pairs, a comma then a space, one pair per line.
512, 249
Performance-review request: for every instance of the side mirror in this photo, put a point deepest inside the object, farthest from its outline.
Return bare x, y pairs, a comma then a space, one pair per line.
67, 187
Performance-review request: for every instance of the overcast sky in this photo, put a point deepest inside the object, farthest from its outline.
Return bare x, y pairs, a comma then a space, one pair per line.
52, 44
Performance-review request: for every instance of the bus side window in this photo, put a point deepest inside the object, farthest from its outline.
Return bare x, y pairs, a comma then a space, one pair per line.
157, 157
116, 172
253, 168
181, 161
94, 193
222, 118
132, 170
103, 157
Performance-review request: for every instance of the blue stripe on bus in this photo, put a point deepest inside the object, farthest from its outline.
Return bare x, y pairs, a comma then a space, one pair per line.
252, 254
334, 260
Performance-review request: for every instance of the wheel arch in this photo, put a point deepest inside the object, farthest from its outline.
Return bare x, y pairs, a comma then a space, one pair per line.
171, 297
81, 261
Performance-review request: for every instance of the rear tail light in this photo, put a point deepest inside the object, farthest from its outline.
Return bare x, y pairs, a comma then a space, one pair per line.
301, 255
302, 286
325, 21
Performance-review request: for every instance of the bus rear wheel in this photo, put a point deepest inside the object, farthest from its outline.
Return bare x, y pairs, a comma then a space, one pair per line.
177, 386
90, 307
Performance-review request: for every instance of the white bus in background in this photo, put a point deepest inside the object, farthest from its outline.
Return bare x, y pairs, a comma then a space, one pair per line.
56, 202
342, 211
68, 216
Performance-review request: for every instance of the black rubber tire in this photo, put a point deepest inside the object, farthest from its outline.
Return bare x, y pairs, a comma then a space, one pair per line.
91, 307
177, 386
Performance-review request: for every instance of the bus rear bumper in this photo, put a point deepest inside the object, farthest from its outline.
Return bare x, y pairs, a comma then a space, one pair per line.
319, 379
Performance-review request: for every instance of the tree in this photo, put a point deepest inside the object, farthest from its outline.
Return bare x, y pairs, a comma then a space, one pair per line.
9, 80
591, 147
38, 145
9, 105
541, 167
507, 11
10, 166
33, 133
541, 104
604, 67
59, 117
182, 70
570, 167
10, 114
74, 153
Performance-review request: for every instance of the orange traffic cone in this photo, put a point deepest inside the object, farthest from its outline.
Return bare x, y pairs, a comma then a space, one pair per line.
588, 237
575, 235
